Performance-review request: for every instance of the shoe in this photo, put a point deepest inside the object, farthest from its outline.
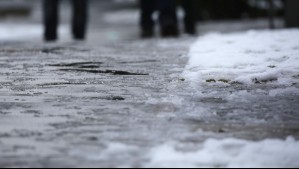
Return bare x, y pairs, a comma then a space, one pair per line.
191, 30
50, 35
147, 33
79, 38
170, 30
79, 35
50, 38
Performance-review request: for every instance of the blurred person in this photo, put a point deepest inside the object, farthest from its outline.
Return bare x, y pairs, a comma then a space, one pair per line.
51, 19
292, 13
190, 16
167, 17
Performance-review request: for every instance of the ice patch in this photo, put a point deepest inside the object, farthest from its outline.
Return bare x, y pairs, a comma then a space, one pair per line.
112, 149
229, 153
117, 155
282, 92
252, 57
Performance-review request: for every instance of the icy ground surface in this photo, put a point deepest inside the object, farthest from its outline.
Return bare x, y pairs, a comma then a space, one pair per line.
118, 101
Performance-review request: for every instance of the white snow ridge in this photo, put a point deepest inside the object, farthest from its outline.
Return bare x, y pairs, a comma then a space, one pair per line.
248, 58
230, 153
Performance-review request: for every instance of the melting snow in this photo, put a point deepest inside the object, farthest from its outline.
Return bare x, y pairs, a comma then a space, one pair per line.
229, 153
248, 58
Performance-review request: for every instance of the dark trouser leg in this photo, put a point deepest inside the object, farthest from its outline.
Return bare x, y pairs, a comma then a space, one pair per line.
147, 23
79, 19
50, 8
168, 18
292, 13
189, 20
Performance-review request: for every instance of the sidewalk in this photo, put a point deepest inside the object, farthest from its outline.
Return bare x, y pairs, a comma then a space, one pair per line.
116, 99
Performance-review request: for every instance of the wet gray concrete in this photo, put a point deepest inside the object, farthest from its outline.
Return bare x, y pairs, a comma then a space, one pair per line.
107, 102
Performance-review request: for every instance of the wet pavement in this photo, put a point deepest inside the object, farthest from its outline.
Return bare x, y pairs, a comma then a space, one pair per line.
107, 102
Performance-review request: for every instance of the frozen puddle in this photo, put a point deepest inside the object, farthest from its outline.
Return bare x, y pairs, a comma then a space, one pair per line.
255, 57
229, 153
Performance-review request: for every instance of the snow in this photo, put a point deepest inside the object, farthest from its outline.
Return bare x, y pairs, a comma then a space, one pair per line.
231, 153
248, 58
13, 32
23, 32
122, 16
76, 124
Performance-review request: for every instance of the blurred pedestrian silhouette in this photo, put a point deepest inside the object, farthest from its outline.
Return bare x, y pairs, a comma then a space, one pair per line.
292, 13
167, 17
51, 19
190, 16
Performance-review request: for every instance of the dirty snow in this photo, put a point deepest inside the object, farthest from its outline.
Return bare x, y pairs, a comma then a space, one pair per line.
231, 153
248, 58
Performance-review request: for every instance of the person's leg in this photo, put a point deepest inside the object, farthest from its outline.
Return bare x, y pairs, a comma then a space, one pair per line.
168, 18
292, 13
147, 23
50, 9
79, 20
190, 16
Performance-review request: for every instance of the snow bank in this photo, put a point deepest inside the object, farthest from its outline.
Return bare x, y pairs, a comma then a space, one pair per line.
229, 153
251, 57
